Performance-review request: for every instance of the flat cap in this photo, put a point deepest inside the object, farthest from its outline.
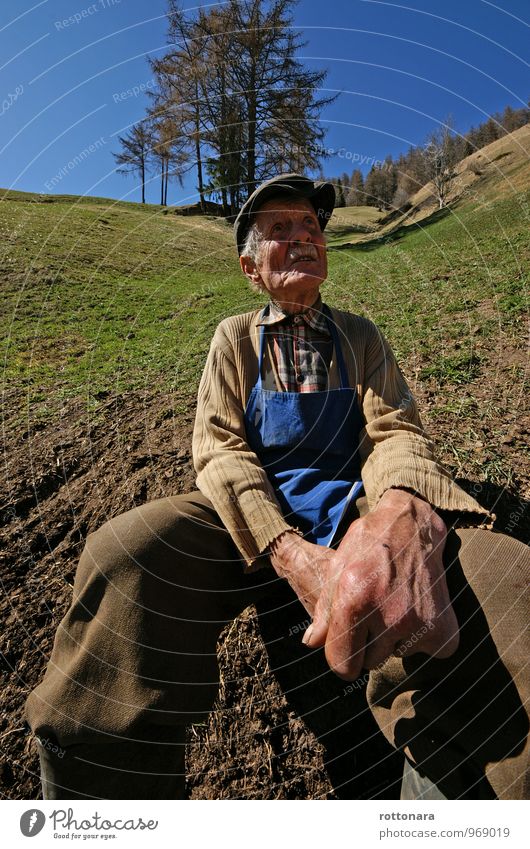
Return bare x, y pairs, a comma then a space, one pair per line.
321, 196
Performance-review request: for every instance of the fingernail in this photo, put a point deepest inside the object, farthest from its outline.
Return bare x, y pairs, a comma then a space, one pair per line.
307, 635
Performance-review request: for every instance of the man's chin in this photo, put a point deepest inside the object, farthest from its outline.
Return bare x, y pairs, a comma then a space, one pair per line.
305, 275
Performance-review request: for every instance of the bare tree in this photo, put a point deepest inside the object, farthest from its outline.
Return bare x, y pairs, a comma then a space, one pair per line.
136, 150
439, 157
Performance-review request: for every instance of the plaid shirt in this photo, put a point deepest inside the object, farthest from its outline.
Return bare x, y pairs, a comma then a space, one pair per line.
300, 348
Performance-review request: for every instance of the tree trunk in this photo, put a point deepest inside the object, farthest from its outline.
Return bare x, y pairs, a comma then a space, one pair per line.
226, 208
198, 156
143, 179
251, 152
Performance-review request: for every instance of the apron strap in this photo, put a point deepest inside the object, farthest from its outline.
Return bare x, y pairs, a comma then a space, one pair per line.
260, 355
343, 371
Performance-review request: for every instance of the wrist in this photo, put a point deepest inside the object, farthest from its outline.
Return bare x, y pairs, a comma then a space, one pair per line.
414, 502
283, 548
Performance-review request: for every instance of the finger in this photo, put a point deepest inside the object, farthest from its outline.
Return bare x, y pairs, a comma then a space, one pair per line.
447, 637
440, 638
447, 632
381, 642
345, 642
315, 636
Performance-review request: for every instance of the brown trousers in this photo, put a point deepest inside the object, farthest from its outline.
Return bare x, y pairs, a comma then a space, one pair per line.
134, 661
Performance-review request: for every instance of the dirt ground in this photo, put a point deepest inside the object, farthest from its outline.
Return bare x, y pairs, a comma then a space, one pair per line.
64, 479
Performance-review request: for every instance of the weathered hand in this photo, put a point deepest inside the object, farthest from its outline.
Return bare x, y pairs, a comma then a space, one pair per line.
305, 566
387, 591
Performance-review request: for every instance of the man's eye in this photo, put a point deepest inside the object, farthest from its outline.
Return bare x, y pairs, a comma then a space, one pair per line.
277, 228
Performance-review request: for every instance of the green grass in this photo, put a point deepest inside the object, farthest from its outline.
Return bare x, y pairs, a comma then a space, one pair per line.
350, 224
436, 285
103, 296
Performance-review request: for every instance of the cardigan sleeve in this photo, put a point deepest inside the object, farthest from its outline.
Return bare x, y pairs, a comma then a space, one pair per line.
394, 446
229, 473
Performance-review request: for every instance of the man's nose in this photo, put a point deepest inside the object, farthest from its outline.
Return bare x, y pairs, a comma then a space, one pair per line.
300, 232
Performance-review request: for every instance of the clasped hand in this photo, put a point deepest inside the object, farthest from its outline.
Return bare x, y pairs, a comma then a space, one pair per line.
382, 592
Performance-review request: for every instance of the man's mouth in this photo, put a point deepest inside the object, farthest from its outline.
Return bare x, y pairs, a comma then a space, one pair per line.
299, 256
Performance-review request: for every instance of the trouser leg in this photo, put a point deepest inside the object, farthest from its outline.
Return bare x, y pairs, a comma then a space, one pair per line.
118, 768
134, 660
462, 721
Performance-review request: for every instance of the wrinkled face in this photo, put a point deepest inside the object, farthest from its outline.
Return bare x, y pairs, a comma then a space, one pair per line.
292, 261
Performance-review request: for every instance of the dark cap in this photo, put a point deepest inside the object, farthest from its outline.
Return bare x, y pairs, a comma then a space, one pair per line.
321, 196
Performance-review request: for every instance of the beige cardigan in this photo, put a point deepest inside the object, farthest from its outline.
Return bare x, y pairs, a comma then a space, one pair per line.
395, 451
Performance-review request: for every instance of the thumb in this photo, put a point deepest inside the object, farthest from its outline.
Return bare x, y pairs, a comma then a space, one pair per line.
315, 636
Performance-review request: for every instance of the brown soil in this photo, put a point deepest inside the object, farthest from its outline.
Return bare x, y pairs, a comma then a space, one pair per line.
65, 479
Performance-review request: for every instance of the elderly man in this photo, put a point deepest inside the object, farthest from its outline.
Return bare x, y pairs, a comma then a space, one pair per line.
314, 471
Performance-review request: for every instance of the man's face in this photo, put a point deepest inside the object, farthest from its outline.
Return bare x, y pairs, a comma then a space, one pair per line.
293, 261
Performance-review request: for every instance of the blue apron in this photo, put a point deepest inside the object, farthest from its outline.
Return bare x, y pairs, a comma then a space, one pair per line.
308, 442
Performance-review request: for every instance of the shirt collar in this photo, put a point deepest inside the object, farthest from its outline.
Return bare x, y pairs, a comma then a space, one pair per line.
313, 316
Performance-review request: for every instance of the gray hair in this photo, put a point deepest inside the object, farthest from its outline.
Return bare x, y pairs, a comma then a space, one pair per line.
252, 248
253, 243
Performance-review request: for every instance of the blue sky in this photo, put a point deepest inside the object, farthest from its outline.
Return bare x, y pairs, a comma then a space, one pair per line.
71, 71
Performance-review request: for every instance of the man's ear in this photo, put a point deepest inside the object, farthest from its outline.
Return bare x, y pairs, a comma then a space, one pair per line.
250, 270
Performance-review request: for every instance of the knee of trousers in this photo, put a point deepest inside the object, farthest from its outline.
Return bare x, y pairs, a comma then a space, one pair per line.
469, 708
138, 643
175, 540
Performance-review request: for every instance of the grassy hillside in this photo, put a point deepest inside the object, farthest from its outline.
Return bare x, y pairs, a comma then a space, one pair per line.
107, 295
501, 169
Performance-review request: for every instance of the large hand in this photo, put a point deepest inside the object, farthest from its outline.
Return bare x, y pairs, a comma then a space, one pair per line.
305, 566
387, 593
